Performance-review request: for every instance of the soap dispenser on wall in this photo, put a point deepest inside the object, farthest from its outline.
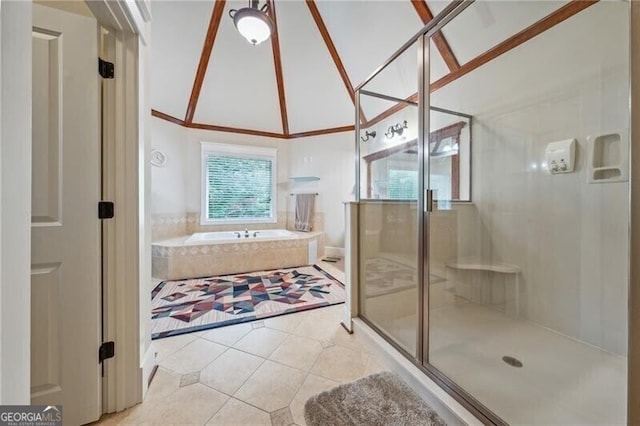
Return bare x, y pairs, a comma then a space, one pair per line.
561, 156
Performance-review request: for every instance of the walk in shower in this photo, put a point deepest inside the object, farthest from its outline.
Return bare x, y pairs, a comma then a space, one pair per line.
493, 207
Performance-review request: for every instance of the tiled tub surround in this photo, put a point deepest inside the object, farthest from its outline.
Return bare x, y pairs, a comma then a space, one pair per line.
165, 226
176, 259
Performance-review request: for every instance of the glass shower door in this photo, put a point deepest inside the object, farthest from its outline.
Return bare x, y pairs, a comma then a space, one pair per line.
528, 236
389, 195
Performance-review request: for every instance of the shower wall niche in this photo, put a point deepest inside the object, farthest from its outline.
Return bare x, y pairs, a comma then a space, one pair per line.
608, 157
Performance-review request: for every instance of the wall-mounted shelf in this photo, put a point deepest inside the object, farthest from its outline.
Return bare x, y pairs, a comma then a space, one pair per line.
608, 157
304, 178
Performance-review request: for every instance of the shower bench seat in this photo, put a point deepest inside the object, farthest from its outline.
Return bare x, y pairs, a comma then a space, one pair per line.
473, 264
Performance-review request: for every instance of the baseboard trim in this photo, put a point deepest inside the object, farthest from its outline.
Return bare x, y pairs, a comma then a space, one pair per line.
149, 368
333, 251
153, 374
346, 328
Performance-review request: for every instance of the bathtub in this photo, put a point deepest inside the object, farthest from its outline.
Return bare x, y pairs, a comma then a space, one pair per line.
260, 234
222, 253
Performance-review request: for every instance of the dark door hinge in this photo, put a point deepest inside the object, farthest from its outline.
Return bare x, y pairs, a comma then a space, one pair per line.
106, 210
107, 350
106, 69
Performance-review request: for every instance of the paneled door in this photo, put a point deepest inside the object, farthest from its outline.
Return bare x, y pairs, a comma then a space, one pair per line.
65, 253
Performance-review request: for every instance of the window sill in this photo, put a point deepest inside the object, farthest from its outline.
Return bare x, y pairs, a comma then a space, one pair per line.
208, 222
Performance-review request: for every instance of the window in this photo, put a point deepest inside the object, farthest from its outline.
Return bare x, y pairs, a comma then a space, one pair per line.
391, 172
238, 184
402, 184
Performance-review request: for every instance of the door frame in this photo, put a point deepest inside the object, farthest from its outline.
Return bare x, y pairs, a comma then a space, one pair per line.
126, 302
126, 181
633, 352
15, 202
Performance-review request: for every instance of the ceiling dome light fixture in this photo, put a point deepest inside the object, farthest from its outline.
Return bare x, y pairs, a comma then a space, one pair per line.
252, 22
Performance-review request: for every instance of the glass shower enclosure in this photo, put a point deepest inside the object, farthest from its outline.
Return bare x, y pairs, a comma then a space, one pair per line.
493, 207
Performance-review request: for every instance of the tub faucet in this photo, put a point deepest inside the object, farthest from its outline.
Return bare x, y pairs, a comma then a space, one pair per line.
255, 234
246, 233
238, 234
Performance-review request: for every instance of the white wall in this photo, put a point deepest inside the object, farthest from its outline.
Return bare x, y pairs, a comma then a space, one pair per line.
147, 351
15, 202
176, 186
169, 183
332, 159
569, 237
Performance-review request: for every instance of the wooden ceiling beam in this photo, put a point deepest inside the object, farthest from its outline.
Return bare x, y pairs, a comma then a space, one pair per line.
167, 117
445, 50
423, 11
277, 62
212, 31
544, 24
236, 130
388, 113
174, 120
322, 132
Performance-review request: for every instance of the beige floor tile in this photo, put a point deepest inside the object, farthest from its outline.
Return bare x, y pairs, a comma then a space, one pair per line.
340, 364
312, 385
320, 324
146, 413
282, 417
286, 323
194, 356
106, 420
227, 335
261, 341
351, 341
190, 379
194, 404
230, 370
169, 345
164, 383
271, 387
237, 413
298, 352
373, 366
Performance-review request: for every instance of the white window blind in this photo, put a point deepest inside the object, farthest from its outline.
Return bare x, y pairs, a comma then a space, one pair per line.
402, 184
239, 184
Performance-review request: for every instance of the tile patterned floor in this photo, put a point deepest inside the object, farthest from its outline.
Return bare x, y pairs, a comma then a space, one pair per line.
258, 373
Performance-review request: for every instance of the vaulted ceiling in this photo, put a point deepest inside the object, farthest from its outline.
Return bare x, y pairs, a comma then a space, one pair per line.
301, 81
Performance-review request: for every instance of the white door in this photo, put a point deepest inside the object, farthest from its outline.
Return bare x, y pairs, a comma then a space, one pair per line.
65, 254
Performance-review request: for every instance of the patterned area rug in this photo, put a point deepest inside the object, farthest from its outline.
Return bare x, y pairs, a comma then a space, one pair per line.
198, 304
384, 276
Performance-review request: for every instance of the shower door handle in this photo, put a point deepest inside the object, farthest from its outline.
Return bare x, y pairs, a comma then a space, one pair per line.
428, 200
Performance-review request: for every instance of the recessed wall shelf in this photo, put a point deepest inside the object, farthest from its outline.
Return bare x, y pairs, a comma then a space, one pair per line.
304, 178
608, 157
